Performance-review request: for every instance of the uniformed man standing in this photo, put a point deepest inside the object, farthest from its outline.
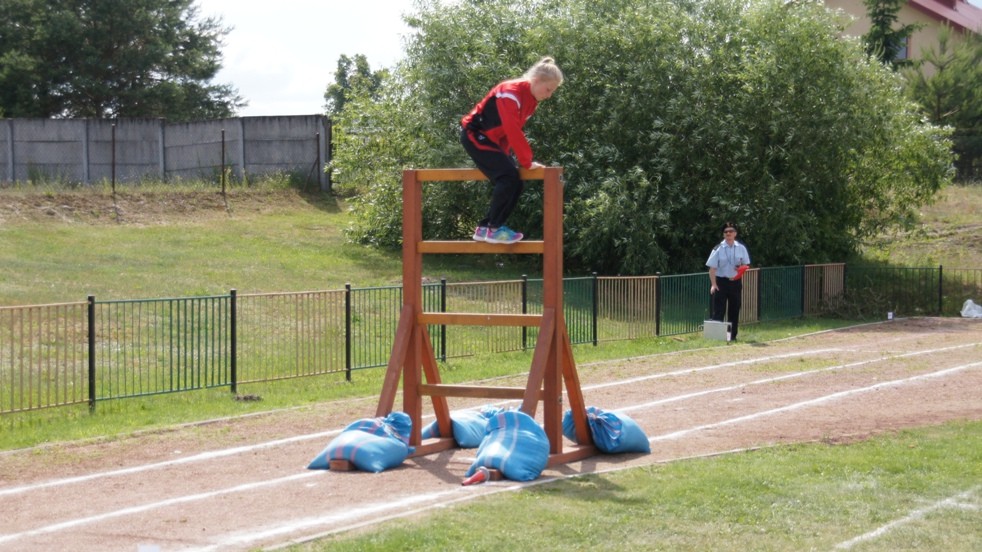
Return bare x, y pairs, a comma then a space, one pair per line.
725, 271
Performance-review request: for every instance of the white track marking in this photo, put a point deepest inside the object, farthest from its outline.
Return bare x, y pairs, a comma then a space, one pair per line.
269, 444
211, 455
950, 502
496, 487
816, 401
372, 511
152, 506
685, 371
241, 538
793, 375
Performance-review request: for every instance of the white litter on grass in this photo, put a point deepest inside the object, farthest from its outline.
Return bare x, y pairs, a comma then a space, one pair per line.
971, 310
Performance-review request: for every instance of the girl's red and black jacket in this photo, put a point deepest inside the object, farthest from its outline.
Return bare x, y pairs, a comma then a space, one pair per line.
499, 118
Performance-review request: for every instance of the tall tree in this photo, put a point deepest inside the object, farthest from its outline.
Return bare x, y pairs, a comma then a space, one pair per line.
111, 58
883, 41
674, 117
353, 76
945, 81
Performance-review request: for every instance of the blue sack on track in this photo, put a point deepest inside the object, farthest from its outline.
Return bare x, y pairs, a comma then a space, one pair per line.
370, 444
613, 433
469, 426
515, 445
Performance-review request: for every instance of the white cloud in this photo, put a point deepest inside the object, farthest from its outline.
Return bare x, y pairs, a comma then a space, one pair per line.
282, 55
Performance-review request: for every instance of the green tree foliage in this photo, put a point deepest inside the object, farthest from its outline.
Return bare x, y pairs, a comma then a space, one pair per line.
883, 41
945, 81
111, 58
354, 76
675, 116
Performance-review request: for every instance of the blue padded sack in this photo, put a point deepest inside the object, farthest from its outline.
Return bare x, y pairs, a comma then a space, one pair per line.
397, 425
515, 445
469, 426
370, 444
613, 433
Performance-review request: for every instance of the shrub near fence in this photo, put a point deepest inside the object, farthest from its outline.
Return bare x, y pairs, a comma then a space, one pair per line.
63, 354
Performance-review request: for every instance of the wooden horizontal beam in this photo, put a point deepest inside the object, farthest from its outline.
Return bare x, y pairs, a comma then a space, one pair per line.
474, 247
576, 452
472, 392
431, 446
478, 319
463, 175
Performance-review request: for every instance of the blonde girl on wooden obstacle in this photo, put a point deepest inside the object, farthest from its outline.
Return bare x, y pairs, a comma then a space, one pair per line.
493, 132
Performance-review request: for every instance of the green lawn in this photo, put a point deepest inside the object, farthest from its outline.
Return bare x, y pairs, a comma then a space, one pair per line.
266, 240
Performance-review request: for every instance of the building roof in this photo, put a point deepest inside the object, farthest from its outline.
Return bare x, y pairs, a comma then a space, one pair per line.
959, 13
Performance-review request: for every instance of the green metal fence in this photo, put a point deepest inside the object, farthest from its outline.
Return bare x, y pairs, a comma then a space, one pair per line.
147, 347
288, 335
84, 352
44, 356
957, 286
684, 303
781, 292
626, 308
875, 291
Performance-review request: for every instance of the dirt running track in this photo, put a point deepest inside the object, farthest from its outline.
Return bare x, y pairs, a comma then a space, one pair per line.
242, 484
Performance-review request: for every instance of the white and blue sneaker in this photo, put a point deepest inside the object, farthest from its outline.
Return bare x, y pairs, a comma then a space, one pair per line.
503, 235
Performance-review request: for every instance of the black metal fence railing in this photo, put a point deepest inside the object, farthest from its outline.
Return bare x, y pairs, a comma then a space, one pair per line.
148, 347
85, 352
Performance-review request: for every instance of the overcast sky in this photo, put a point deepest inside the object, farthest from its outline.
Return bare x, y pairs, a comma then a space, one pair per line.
281, 55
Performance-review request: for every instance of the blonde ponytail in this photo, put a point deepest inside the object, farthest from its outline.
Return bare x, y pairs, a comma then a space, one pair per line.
545, 69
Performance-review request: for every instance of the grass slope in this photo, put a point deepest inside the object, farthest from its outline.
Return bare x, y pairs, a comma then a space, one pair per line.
947, 234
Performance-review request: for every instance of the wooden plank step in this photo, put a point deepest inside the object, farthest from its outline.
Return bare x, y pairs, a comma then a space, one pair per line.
471, 391
431, 446
462, 175
574, 453
478, 319
475, 248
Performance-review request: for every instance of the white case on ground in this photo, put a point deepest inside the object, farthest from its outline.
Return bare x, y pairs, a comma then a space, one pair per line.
713, 329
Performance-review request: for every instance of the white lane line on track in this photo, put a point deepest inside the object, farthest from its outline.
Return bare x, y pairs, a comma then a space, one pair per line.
374, 512
686, 371
492, 488
211, 455
950, 502
785, 377
348, 514
815, 401
71, 524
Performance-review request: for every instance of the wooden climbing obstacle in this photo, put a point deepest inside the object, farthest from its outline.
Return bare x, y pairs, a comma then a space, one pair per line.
413, 360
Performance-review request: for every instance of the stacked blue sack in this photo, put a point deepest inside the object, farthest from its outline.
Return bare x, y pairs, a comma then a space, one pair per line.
469, 426
515, 445
612, 432
370, 444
